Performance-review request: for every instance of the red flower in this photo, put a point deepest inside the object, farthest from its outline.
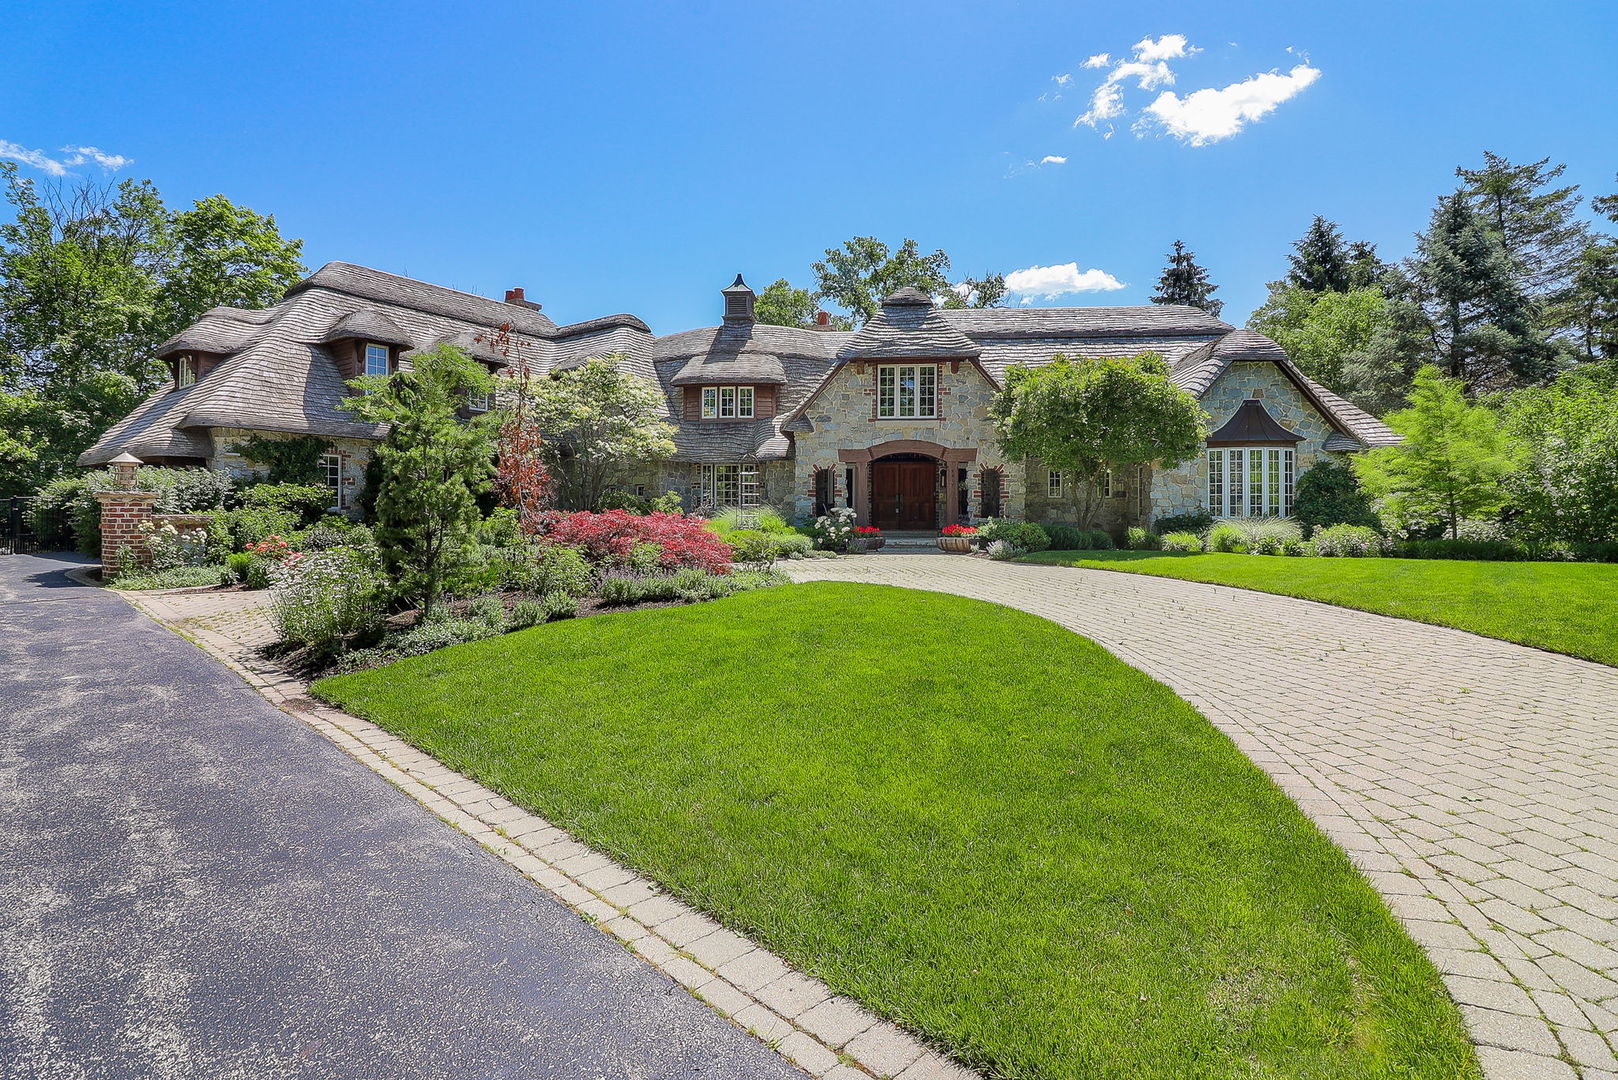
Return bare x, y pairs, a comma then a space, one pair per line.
868, 530
960, 530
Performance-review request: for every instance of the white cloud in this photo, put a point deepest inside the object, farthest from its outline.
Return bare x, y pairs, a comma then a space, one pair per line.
1099, 60
1167, 47
1206, 116
1053, 159
1061, 80
76, 156
1049, 282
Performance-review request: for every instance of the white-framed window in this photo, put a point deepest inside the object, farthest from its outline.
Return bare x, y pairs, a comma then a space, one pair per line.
727, 402
376, 359
1251, 481
185, 371
730, 485
1105, 483
1053, 483
331, 474
906, 391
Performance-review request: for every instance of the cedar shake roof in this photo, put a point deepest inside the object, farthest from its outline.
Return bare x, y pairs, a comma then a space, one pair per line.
1252, 423
279, 374
908, 325
366, 324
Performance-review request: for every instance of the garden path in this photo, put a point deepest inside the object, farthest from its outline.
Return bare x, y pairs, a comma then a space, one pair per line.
1474, 781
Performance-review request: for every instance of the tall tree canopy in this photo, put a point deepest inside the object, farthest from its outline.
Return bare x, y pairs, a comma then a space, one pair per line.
92, 278
1185, 282
782, 305
1085, 416
599, 423
1535, 221
858, 275
1322, 261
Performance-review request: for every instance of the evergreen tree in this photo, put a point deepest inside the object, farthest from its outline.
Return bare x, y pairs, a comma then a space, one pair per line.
1536, 223
1320, 261
1607, 204
1588, 308
1450, 466
431, 466
1365, 269
1483, 326
1184, 282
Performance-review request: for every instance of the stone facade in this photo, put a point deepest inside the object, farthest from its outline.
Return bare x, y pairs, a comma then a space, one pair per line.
354, 454
843, 418
1185, 489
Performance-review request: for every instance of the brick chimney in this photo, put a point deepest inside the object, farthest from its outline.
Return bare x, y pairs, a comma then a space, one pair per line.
515, 296
822, 318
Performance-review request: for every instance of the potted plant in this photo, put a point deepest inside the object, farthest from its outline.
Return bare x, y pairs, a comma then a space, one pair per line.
871, 536
957, 539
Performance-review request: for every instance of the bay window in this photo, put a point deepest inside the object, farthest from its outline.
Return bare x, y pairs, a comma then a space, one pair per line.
1251, 481
905, 391
730, 485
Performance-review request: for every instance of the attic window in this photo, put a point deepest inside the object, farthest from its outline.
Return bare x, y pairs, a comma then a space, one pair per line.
185, 371
376, 359
727, 402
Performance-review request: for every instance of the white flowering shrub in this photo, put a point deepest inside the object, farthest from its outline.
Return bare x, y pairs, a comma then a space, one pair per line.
1002, 550
834, 530
327, 598
171, 547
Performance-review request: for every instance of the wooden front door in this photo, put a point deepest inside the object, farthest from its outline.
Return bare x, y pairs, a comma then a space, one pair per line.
902, 494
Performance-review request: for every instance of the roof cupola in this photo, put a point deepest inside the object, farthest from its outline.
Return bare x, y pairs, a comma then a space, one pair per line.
739, 300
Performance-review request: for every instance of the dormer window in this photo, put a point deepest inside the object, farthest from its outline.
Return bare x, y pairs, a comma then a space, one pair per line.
377, 359
727, 402
185, 371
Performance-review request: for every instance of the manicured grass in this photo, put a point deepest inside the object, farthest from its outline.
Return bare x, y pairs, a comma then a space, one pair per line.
1563, 607
968, 818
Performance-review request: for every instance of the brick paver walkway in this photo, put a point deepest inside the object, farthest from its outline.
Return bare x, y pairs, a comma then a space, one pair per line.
1474, 781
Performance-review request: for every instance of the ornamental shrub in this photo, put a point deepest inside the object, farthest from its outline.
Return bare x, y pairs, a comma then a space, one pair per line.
752, 547
50, 515
1066, 537
1226, 537
1098, 540
326, 599
1181, 541
1329, 494
834, 530
1001, 550
1347, 541
608, 539
1023, 535
1139, 539
1484, 550
1197, 521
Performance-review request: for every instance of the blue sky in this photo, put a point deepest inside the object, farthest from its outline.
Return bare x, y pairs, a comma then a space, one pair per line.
614, 156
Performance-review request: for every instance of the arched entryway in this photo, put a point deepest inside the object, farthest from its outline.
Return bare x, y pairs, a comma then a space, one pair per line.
904, 492
908, 484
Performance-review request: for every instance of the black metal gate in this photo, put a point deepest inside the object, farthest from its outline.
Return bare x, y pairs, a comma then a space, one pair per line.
16, 532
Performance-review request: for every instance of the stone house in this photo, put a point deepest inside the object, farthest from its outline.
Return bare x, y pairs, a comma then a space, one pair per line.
892, 420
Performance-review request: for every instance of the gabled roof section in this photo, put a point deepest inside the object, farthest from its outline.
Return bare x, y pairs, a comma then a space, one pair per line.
908, 325
1197, 371
391, 289
1252, 423
1147, 320
367, 324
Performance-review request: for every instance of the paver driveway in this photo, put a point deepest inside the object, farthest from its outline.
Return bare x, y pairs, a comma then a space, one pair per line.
1474, 781
195, 885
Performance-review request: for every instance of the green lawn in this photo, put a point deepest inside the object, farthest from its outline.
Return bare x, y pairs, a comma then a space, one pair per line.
970, 819
1563, 607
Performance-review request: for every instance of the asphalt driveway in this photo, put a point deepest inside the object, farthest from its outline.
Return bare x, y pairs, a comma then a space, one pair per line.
193, 884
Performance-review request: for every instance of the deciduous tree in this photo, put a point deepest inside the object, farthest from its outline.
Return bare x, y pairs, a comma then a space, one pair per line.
1084, 416
858, 275
1450, 466
599, 423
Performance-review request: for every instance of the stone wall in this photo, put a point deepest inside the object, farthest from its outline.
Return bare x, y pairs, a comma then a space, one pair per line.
355, 453
844, 418
1185, 489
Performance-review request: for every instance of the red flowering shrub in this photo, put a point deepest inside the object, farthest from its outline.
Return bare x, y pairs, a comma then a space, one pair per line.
960, 530
609, 537
867, 530
275, 549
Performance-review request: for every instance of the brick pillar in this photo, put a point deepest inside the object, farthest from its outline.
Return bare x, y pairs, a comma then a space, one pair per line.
121, 515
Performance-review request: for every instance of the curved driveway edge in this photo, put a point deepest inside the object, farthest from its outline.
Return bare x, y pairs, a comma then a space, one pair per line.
1473, 781
827, 1036
194, 886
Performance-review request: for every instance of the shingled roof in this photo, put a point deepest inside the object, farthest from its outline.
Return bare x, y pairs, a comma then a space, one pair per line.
908, 325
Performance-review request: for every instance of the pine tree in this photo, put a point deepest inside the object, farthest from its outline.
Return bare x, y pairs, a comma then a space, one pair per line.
1482, 324
1184, 282
1537, 224
1320, 262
